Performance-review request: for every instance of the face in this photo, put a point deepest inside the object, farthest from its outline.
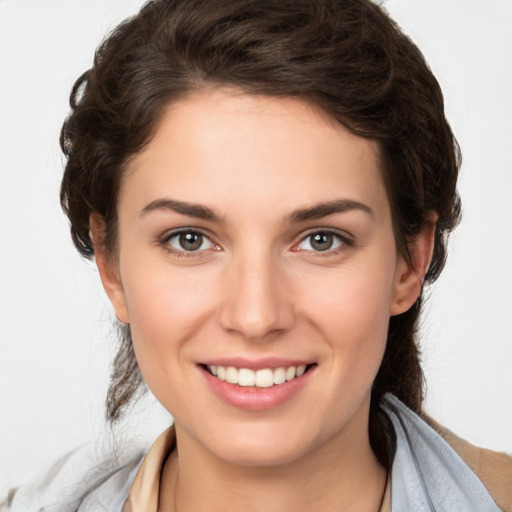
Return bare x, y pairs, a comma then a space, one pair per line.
258, 270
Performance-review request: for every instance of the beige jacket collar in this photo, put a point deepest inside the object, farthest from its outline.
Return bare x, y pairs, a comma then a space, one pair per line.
143, 496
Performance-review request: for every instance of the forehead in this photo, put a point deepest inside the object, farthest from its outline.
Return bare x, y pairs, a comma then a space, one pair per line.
221, 145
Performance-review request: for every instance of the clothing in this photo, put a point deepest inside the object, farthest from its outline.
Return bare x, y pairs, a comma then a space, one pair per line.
427, 475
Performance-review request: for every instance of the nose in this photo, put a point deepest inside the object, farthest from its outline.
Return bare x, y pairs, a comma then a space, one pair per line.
257, 302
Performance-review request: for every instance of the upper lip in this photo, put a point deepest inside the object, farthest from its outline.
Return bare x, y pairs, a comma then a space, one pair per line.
256, 364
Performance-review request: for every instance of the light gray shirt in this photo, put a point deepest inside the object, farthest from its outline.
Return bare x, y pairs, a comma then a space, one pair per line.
427, 476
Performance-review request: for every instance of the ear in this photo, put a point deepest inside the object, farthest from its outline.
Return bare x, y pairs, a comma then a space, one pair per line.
410, 274
108, 269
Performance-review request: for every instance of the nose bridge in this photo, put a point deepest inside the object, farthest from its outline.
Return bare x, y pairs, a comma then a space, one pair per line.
255, 299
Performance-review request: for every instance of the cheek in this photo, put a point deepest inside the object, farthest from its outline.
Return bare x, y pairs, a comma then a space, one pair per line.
165, 307
351, 309
349, 297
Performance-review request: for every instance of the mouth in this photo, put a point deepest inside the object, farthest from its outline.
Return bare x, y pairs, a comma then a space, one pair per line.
262, 378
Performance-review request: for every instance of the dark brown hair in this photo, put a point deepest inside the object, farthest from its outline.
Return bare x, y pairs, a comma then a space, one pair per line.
344, 56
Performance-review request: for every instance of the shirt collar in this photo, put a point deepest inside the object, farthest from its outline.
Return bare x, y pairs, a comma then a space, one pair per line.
143, 495
427, 474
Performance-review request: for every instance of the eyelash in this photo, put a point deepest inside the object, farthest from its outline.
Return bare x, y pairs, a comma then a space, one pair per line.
345, 241
164, 241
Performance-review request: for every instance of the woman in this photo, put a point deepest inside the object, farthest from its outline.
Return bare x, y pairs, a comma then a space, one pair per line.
266, 187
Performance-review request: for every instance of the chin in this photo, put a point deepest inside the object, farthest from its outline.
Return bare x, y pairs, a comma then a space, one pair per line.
260, 455
267, 445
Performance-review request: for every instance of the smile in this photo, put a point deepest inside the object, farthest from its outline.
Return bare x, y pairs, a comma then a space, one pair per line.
264, 378
257, 385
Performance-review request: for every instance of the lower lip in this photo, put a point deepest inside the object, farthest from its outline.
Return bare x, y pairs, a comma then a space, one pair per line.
254, 398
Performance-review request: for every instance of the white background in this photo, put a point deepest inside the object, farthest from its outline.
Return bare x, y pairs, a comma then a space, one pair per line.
55, 322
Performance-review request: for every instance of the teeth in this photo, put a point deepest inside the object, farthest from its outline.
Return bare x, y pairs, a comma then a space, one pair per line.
231, 375
264, 378
221, 372
246, 377
279, 375
300, 370
290, 373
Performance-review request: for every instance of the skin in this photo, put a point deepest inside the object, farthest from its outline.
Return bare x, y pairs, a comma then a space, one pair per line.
258, 288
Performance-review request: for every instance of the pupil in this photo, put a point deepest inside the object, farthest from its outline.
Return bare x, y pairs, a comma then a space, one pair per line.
321, 241
191, 241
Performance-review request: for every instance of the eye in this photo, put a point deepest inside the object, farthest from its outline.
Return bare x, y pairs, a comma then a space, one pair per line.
189, 241
322, 241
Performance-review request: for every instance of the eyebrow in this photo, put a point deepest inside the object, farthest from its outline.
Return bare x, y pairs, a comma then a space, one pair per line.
190, 209
317, 211
330, 207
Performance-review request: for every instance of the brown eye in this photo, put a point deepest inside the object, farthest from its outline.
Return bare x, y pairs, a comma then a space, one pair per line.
189, 241
323, 241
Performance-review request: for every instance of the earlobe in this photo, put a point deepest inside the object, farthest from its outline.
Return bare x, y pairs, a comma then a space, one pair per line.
410, 274
108, 269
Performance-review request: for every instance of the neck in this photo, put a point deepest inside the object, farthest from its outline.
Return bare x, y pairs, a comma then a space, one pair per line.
339, 475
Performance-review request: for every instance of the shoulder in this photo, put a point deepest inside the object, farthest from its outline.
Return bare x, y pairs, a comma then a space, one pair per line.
450, 472
494, 469
84, 480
